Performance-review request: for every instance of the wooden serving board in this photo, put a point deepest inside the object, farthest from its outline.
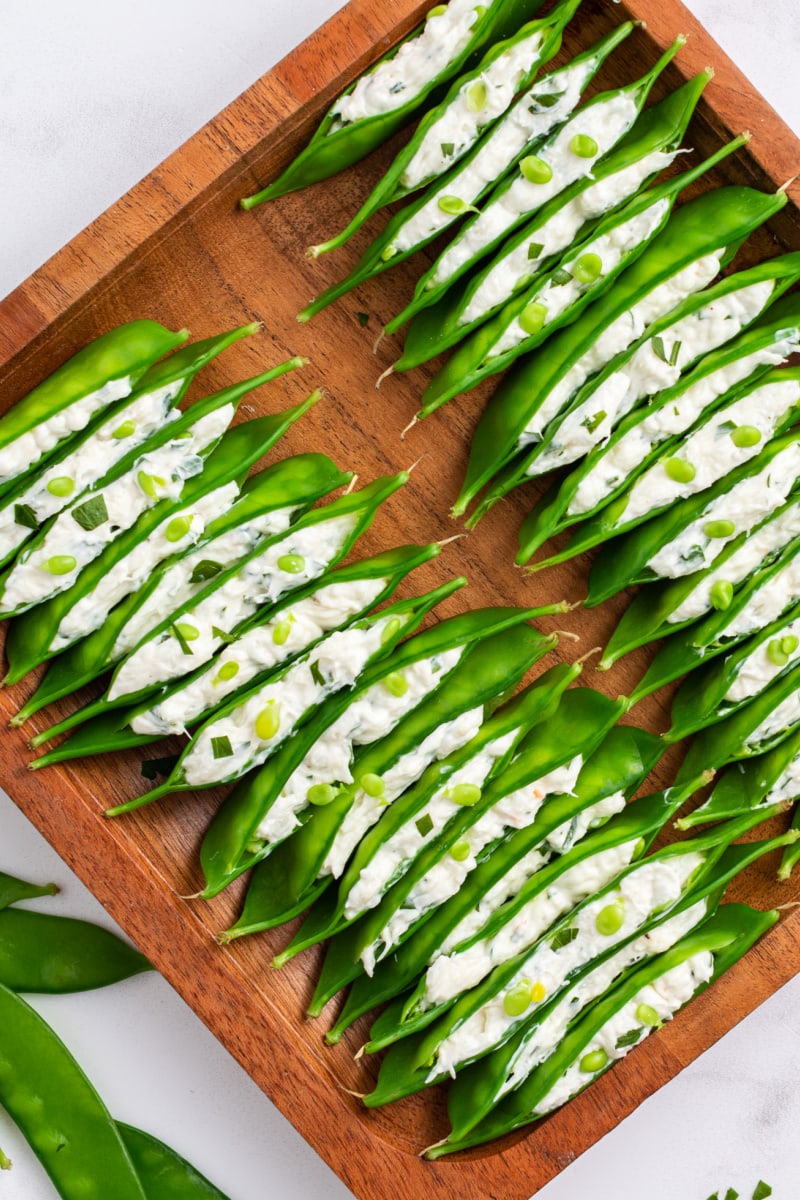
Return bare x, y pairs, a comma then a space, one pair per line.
177, 249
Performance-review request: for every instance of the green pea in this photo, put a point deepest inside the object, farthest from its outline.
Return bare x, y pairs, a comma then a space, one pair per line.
62, 485
280, 634
228, 670
320, 794
609, 920
148, 484
460, 851
718, 529
292, 564
388, 252
679, 470
465, 794
61, 564
391, 629
583, 145
190, 632
268, 721
438, 11
721, 595
396, 683
518, 998
477, 94
533, 316
647, 1015
595, 1060
745, 435
125, 430
536, 170
780, 650
789, 643
454, 206
587, 268
178, 528
373, 785
639, 847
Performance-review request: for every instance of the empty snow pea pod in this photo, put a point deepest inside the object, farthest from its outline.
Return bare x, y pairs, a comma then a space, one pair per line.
56, 1108
448, 132
754, 783
12, 890
165, 1175
478, 1088
558, 295
40, 952
648, 147
693, 531
610, 775
622, 1019
102, 372
389, 94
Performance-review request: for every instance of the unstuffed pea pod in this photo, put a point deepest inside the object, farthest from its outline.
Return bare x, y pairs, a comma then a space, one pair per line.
701, 235
460, 907
389, 94
165, 1175
646, 997
12, 890
58, 1111
692, 532
102, 372
474, 103
558, 296
477, 1089
649, 146
40, 952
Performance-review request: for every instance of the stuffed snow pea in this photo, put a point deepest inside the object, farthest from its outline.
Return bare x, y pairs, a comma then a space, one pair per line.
389, 94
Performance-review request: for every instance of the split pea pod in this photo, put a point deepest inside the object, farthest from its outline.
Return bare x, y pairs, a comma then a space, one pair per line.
102, 372
475, 102
648, 147
387, 96
558, 296
646, 997
699, 237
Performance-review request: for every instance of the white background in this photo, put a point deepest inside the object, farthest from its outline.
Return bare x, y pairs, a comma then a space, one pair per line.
93, 95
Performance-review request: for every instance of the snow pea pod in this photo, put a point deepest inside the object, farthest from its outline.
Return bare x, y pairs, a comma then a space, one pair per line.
102, 372
472, 106
648, 147
754, 783
700, 236
622, 1019
390, 93
56, 1108
559, 295
40, 952
164, 1174
12, 890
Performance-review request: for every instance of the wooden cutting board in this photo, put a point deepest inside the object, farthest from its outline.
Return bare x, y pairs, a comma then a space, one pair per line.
177, 249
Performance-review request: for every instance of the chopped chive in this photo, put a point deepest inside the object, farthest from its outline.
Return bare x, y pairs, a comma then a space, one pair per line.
561, 276
548, 100
731, 1194
673, 354
91, 513
476, 95
660, 350
24, 515
316, 674
151, 768
225, 638
563, 937
205, 569
424, 824
591, 423
762, 1190
535, 250
180, 638
363, 319
448, 149
221, 747
628, 1039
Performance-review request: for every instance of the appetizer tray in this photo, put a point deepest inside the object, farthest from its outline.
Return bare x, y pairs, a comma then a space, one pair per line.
177, 249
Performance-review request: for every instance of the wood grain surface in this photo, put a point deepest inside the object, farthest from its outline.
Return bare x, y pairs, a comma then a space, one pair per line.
177, 249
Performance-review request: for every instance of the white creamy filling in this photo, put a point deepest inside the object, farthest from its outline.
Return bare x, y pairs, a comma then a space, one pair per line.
334, 664
546, 1036
515, 265
369, 717
605, 122
514, 811
758, 670
647, 371
621, 333
611, 248
87, 463
132, 571
768, 602
261, 580
652, 885
459, 125
397, 81
166, 470
404, 845
525, 122
786, 787
257, 650
366, 810
28, 448
783, 717
746, 504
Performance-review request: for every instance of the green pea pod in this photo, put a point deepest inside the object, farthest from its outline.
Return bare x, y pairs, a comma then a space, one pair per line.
667, 607
558, 296
474, 104
12, 890
44, 953
164, 1174
448, 40
267, 807
477, 1089
649, 145
616, 768
700, 236
58, 1111
754, 783
102, 372
725, 936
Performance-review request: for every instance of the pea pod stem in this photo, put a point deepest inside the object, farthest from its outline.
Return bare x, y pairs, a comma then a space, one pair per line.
12, 890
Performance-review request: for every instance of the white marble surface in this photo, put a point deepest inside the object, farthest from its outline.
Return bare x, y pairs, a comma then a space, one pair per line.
92, 96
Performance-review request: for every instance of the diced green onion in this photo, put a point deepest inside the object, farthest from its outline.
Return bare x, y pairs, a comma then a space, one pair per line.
476, 96
221, 747
204, 570
91, 513
25, 516
535, 250
424, 824
125, 430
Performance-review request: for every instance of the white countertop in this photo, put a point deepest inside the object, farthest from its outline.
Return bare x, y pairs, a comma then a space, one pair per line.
92, 96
